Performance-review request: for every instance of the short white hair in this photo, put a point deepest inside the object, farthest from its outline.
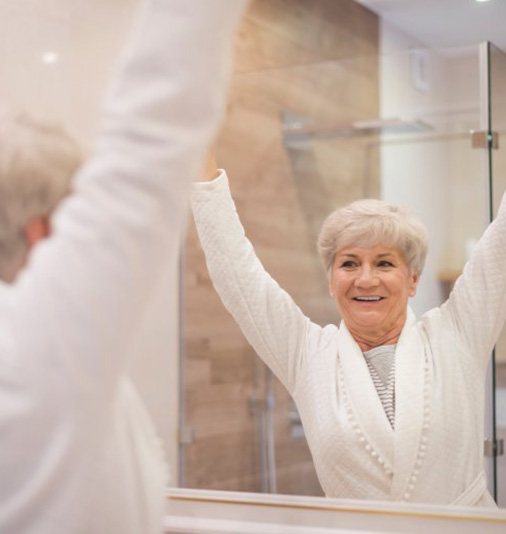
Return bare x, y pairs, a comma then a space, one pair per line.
371, 222
37, 162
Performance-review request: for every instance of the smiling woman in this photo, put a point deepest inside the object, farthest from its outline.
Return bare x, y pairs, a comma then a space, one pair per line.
382, 395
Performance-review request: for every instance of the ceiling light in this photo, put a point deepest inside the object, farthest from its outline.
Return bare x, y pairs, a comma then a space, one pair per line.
50, 57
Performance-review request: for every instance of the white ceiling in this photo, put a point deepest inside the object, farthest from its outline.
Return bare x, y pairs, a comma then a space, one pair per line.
446, 23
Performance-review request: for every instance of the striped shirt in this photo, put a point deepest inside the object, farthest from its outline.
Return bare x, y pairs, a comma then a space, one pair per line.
381, 364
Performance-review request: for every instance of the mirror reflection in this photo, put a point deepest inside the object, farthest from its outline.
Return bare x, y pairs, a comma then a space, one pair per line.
314, 124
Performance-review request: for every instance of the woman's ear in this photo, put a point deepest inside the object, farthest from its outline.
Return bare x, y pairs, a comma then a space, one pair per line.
414, 279
36, 229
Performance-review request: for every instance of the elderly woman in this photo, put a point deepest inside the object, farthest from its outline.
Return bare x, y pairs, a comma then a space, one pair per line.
392, 406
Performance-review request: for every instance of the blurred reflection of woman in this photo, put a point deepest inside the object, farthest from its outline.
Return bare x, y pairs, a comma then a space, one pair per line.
392, 407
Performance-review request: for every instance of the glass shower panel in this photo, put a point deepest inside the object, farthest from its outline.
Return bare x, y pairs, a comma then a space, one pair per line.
497, 150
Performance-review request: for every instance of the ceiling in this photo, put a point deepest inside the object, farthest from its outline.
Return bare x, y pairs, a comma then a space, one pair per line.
446, 23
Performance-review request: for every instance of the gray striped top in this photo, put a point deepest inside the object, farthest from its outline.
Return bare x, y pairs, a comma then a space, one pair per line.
381, 364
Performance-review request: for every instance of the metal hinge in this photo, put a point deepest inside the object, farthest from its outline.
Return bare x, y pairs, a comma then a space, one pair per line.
493, 448
484, 139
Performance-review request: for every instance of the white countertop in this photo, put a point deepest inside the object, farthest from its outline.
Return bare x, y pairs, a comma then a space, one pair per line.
205, 511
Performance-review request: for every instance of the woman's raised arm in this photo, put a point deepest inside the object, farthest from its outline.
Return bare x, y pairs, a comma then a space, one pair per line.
271, 321
478, 300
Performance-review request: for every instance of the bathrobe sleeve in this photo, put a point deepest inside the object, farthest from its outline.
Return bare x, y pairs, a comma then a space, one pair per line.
76, 307
477, 304
266, 314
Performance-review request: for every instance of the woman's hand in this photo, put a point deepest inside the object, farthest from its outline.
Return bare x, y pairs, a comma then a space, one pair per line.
210, 171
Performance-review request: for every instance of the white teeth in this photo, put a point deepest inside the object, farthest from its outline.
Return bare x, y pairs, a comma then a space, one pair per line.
374, 299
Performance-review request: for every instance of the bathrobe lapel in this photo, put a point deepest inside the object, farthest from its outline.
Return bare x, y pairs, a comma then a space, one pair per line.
403, 448
410, 389
365, 404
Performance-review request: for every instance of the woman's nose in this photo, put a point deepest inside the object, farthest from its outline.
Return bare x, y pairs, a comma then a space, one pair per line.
366, 277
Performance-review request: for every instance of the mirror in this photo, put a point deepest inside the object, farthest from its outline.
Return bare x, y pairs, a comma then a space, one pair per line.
324, 109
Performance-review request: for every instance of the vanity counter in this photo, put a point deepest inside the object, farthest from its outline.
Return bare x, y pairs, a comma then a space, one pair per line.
224, 512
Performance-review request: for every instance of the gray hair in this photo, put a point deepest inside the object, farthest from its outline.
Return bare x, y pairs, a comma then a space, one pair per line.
37, 162
370, 222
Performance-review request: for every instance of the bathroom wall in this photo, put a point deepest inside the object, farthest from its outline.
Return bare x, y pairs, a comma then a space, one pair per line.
308, 62
434, 172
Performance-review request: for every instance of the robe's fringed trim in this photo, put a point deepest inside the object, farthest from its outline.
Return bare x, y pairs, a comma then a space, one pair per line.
422, 448
358, 431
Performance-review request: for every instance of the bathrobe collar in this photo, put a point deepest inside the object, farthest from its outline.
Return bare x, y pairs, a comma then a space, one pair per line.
400, 447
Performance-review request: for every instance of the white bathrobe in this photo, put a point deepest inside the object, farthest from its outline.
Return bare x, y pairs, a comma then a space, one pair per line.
435, 453
77, 451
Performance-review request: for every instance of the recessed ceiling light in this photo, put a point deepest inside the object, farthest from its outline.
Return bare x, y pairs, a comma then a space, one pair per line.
482, 0
50, 57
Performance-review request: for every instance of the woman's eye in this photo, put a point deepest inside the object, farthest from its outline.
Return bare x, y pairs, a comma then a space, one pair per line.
385, 263
348, 264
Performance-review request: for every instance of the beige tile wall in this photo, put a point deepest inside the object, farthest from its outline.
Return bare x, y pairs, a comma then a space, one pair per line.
317, 59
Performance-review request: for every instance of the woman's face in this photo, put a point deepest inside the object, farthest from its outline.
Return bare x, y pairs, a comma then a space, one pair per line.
371, 287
